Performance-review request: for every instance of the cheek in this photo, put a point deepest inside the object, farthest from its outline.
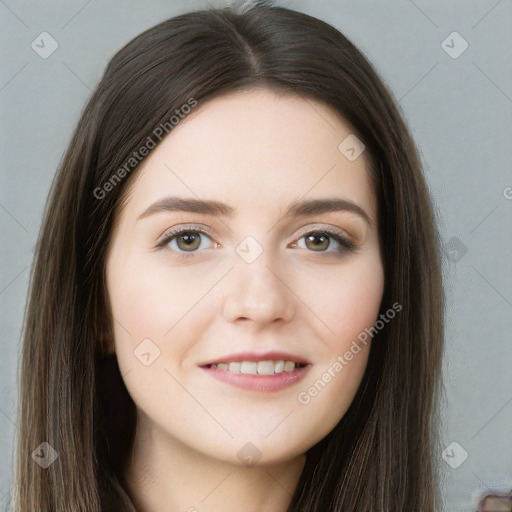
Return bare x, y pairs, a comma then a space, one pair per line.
348, 305
140, 306
346, 301
149, 302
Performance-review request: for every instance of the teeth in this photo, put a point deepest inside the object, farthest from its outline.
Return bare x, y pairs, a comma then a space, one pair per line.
233, 367
279, 367
266, 368
249, 367
257, 367
289, 366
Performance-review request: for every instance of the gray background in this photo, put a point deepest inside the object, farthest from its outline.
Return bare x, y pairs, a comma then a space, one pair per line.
459, 111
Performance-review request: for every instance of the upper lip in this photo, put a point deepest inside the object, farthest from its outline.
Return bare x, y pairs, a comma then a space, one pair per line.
254, 356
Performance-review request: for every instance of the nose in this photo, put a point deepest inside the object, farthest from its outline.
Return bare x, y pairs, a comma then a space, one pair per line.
258, 292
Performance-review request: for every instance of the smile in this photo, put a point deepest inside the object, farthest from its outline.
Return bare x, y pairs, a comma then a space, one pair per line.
268, 371
268, 367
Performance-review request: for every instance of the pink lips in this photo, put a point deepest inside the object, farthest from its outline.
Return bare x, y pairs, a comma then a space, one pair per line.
274, 382
267, 383
253, 356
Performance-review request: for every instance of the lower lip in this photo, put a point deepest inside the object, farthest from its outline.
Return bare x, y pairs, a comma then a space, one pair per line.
274, 382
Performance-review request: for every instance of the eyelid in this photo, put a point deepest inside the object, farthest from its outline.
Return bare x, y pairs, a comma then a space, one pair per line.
326, 227
163, 238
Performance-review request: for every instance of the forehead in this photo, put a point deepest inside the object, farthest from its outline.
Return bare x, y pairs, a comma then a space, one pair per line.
258, 150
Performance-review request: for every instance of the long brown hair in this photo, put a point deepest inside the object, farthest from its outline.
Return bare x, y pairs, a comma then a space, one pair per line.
72, 396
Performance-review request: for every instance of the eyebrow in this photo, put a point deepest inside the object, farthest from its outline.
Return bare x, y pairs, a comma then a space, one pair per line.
217, 208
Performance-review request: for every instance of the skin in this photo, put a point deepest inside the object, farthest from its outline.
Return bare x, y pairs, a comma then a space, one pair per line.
257, 151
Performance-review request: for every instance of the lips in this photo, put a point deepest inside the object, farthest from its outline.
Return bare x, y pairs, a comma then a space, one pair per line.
264, 357
269, 371
255, 357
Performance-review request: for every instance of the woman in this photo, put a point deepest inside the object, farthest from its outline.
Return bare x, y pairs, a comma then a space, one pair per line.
236, 300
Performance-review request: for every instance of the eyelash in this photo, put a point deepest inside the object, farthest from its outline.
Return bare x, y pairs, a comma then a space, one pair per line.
346, 245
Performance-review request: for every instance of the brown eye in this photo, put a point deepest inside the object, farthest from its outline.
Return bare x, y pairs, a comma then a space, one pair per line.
185, 240
189, 241
318, 242
321, 241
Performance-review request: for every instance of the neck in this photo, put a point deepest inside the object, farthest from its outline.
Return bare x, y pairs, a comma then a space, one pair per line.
164, 474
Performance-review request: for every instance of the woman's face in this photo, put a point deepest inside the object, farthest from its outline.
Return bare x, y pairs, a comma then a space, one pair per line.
263, 293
